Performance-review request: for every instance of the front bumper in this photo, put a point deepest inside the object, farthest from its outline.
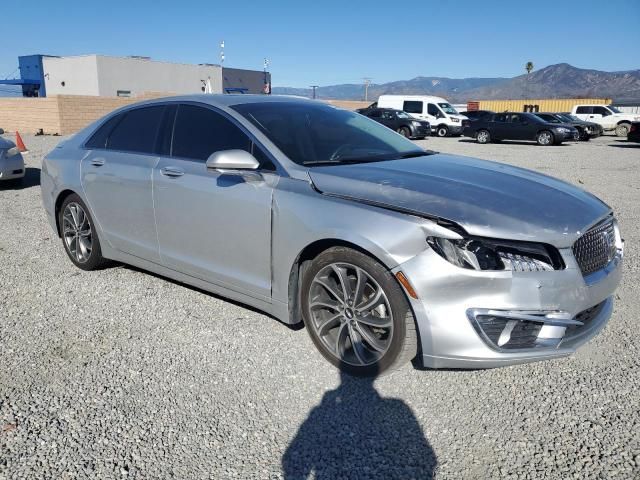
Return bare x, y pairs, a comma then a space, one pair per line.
449, 297
12, 167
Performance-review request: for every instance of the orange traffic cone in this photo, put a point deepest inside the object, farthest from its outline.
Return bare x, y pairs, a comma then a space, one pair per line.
20, 144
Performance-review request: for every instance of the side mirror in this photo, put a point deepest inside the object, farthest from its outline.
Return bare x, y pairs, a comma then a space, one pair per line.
1, 131
232, 160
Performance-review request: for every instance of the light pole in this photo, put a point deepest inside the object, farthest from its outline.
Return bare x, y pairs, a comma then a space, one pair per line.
222, 52
367, 82
314, 90
267, 87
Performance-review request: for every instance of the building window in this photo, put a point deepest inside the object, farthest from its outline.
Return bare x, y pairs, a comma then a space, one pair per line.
124, 93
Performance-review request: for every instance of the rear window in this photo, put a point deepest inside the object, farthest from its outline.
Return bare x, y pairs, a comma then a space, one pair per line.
412, 106
584, 110
137, 131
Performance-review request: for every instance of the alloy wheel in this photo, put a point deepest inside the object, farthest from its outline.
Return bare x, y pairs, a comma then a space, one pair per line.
545, 138
483, 136
76, 231
350, 314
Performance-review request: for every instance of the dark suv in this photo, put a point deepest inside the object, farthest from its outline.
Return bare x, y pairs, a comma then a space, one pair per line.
519, 126
400, 121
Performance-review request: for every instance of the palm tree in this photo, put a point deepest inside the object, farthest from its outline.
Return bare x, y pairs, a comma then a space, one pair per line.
528, 67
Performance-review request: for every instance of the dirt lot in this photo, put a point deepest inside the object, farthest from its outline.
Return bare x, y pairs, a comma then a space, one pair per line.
120, 373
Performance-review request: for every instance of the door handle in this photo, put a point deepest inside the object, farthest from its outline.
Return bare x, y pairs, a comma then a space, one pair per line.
97, 162
172, 172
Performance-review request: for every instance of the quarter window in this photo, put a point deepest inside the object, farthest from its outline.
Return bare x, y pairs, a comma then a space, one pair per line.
100, 137
199, 132
412, 106
137, 131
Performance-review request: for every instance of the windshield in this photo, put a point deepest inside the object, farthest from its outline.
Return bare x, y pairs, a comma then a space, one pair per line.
316, 133
613, 109
568, 118
446, 108
402, 114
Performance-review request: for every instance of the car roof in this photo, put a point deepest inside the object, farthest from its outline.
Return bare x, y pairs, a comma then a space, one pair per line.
227, 100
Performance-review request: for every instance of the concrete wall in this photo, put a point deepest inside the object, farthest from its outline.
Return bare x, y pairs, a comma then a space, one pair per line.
252, 80
105, 76
79, 75
140, 75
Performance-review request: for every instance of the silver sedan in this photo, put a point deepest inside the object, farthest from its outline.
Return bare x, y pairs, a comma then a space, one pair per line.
11, 162
315, 214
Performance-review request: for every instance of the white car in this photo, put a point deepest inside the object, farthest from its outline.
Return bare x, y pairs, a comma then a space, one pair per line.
11, 161
608, 116
444, 119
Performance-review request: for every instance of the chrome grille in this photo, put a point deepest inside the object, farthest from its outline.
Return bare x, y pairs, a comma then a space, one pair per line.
596, 248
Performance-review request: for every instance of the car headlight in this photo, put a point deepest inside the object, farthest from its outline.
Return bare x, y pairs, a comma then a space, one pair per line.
415, 123
455, 120
476, 253
563, 129
12, 151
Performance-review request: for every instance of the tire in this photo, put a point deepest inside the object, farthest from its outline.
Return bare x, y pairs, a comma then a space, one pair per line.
442, 131
405, 132
483, 136
583, 135
79, 237
545, 138
388, 345
622, 129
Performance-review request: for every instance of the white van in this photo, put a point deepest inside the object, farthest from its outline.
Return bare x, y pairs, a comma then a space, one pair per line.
444, 119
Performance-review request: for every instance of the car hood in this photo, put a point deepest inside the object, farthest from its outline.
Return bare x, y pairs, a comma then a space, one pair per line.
6, 144
487, 199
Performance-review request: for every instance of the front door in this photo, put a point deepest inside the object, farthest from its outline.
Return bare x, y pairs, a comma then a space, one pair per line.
211, 225
116, 178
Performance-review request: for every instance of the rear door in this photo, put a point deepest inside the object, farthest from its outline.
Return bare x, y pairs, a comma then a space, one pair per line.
212, 225
520, 127
116, 178
497, 126
584, 112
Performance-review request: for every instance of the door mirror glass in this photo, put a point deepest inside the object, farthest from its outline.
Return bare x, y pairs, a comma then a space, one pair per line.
1, 131
232, 160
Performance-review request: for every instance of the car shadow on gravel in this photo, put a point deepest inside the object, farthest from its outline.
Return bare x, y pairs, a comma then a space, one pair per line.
356, 433
31, 179
514, 142
623, 145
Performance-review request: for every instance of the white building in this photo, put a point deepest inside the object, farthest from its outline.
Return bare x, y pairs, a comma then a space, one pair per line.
101, 75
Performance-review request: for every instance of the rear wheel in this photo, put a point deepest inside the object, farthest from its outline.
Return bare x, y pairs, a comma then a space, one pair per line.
356, 313
442, 131
545, 138
483, 136
623, 129
404, 131
78, 234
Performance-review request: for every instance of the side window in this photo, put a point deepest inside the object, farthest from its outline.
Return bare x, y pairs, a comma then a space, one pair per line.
433, 110
138, 130
602, 111
375, 114
199, 132
583, 110
388, 115
99, 138
412, 106
166, 130
499, 118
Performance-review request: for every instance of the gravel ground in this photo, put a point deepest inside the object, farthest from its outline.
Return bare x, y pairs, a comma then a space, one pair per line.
119, 373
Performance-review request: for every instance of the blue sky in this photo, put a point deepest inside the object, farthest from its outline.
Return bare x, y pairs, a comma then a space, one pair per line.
329, 42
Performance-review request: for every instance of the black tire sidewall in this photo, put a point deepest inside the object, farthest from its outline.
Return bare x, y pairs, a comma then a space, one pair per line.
95, 259
446, 131
397, 300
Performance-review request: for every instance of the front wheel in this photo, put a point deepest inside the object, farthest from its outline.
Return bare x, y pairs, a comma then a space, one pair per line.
357, 314
442, 131
405, 132
622, 130
545, 138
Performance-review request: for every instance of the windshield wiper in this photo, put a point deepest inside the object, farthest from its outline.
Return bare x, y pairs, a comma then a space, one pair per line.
417, 153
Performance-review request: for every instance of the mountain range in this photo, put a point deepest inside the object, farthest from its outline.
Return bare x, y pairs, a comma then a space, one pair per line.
555, 81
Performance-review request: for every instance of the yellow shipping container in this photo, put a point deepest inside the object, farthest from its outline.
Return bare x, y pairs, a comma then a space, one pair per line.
539, 105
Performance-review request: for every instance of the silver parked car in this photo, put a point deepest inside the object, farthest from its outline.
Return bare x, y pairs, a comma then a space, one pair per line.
11, 161
311, 213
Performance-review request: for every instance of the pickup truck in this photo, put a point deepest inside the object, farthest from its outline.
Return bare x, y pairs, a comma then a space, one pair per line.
608, 116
